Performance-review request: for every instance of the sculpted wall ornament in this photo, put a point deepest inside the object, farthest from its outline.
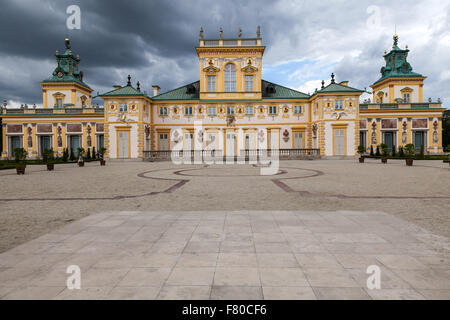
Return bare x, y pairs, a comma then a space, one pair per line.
374, 133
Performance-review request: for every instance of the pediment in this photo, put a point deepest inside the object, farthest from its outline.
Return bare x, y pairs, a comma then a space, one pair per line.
211, 69
249, 69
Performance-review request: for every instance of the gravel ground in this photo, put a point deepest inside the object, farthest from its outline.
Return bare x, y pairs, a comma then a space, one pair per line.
423, 191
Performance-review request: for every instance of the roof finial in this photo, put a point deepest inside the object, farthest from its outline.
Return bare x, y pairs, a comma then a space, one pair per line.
395, 39
323, 84
258, 32
332, 78
138, 86
201, 32
129, 81
67, 41
221, 33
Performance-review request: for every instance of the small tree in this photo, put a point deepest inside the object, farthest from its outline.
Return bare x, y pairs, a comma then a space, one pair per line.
371, 151
422, 151
65, 155
401, 152
102, 151
361, 150
94, 156
72, 155
409, 150
384, 149
377, 153
394, 153
88, 154
48, 156
20, 154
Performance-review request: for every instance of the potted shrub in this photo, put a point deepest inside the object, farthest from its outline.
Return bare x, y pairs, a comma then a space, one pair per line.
20, 155
409, 151
401, 152
385, 151
80, 157
361, 151
49, 159
102, 151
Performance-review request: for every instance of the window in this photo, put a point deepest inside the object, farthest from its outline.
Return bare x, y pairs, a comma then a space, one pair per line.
211, 111
248, 110
188, 111
230, 78
230, 110
59, 103
338, 105
163, 111
273, 110
123, 107
211, 83
297, 109
248, 83
406, 98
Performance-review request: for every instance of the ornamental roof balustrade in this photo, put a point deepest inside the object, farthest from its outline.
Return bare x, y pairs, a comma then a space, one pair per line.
400, 106
49, 111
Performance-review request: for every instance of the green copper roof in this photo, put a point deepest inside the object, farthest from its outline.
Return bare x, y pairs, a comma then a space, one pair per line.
187, 92
127, 90
269, 91
336, 87
396, 64
272, 90
67, 69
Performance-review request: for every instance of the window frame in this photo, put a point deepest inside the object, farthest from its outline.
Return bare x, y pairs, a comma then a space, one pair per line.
230, 108
163, 114
121, 105
269, 109
230, 83
212, 108
249, 76
213, 83
339, 103
295, 109
191, 112
251, 108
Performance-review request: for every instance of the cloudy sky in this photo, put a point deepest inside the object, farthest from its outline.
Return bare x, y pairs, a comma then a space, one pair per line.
154, 41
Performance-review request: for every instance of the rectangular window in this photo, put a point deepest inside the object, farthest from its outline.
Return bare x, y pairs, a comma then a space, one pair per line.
211, 83
248, 110
211, 111
188, 111
230, 110
338, 105
248, 83
406, 98
163, 111
273, 110
123, 107
59, 103
297, 109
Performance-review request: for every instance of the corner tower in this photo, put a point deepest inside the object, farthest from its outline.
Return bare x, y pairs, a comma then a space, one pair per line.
230, 68
65, 88
398, 83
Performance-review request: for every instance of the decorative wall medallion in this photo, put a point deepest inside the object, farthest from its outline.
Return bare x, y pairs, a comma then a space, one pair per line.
286, 135
285, 109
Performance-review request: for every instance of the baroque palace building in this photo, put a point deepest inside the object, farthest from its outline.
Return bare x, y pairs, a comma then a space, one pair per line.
230, 109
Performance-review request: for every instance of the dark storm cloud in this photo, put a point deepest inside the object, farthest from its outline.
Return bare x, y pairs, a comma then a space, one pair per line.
154, 40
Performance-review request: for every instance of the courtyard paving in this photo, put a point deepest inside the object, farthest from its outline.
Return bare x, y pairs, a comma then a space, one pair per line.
230, 255
160, 231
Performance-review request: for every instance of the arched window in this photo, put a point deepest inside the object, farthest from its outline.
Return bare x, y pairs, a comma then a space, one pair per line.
230, 78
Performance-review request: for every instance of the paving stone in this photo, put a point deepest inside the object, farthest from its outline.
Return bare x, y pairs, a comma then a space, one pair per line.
286, 260
237, 260
236, 276
341, 294
84, 293
33, 293
329, 278
395, 294
283, 277
133, 293
317, 260
197, 260
145, 277
288, 293
236, 293
184, 293
200, 276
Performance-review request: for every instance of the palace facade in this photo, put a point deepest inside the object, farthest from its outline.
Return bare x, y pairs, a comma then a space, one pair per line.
230, 109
